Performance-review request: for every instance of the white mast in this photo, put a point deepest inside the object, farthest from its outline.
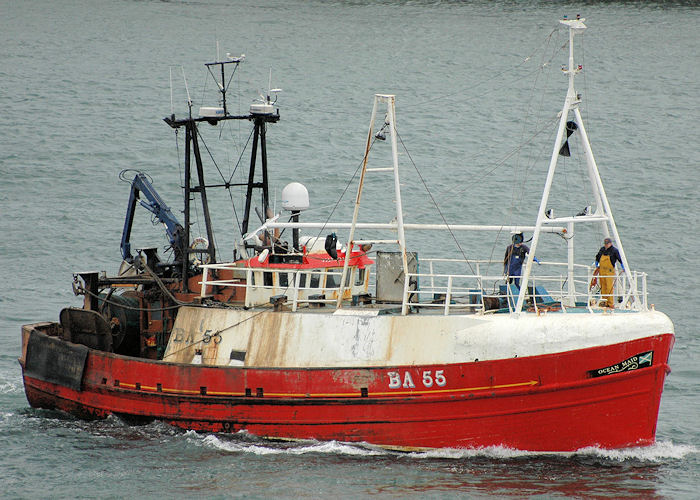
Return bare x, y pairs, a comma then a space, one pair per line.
571, 103
401, 241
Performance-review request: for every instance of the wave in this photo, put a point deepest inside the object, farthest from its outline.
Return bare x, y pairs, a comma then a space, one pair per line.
8, 387
11, 381
659, 452
242, 442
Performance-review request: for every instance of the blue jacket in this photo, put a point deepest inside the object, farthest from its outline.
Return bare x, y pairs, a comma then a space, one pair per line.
610, 252
514, 258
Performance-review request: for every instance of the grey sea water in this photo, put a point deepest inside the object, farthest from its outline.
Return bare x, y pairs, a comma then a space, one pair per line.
84, 86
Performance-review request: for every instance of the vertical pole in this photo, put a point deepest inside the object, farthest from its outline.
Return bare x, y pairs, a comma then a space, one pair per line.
432, 277
205, 277
295, 291
391, 111
543, 205
357, 202
404, 295
569, 103
606, 205
203, 194
223, 87
448, 295
263, 157
248, 286
570, 264
186, 257
295, 231
251, 178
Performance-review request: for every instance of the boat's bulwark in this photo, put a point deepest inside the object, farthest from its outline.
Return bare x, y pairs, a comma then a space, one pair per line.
305, 339
52, 360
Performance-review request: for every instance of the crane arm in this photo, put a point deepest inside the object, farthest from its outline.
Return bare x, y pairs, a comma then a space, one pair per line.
141, 186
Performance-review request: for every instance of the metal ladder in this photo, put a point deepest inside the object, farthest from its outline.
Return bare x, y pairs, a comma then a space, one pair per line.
390, 123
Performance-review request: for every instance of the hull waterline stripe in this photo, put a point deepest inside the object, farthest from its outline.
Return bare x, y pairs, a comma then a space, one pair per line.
336, 394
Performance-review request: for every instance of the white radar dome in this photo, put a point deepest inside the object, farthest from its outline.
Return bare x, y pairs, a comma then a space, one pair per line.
295, 197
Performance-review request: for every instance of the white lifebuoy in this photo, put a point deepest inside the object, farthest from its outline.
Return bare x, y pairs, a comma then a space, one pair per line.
199, 243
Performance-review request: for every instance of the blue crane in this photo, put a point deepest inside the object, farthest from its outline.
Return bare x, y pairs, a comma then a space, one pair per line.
154, 204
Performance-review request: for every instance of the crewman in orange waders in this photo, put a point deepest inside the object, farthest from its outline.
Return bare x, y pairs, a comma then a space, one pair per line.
605, 262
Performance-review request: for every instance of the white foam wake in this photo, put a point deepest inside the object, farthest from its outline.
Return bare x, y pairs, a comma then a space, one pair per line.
245, 443
241, 443
10, 382
660, 451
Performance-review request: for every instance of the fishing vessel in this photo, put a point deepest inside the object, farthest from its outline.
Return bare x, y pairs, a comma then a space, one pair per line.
357, 339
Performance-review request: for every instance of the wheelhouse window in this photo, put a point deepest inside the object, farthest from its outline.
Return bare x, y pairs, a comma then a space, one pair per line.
360, 277
315, 281
331, 279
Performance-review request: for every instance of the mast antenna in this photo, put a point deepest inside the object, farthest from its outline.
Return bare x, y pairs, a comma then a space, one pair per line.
172, 106
223, 87
189, 99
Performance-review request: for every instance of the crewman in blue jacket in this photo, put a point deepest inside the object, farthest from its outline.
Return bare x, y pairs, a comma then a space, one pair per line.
514, 258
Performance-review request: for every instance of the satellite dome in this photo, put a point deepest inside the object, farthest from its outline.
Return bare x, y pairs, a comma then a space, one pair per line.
295, 197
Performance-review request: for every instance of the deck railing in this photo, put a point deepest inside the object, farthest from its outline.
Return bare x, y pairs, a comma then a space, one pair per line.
554, 286
444, 290
258, 294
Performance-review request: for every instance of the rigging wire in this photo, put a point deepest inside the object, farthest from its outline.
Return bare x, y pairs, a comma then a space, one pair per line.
492, 168
347, 186
520, 188
535, 157
497, 75
437, 207
544, 64
228, 188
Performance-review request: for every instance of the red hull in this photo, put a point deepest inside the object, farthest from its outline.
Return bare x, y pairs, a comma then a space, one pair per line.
539, 403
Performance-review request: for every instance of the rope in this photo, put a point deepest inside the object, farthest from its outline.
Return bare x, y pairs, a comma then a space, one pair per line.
228, 187
107, 301
215, 333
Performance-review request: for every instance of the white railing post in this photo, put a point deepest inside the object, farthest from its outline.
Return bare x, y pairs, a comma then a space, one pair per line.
404, 302
248, 286
205, 276
295, 290
570, 265
448, 295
